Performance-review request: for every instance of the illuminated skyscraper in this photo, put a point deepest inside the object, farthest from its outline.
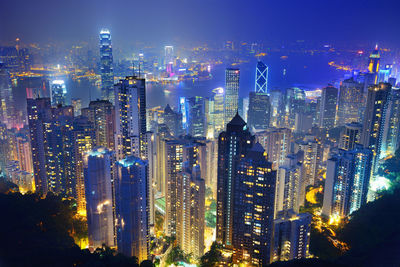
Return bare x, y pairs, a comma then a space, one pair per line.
216, 115
101, 114
169, 58
347, 179
373, 64
261, 78
312, 158
131, 205
83, 141
7, 111
106, 66
328, 107
291, 236
232, 145
391, 132
99, 197
259, 111
58, 93
77, 104
231, 93
196, 119
374, 119
290, 185
130, 116
276, 142
39, 111
295, 102
350, 135
350, 103
253, 214
191, 212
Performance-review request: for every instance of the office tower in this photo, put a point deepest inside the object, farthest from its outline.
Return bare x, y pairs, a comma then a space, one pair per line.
373, 65
374, 119
259, 111
106, 66
350, 135
384, 73
130, 116
76, 103
7, 111
312, 159
231, 93
295, 102
196, 116
253, 213
83, 141
131, 206
169, 58
58, 93
191, 214
101, 114
232, 144
39, 111
217, 111
391, 132
99, 197
276, 142
328, 107
291, 235
290, 185
154, 116
261, 85
347, 179
173, 120
351, 102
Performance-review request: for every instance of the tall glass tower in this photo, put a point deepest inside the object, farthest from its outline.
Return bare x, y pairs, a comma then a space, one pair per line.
261, 78
106, 66
231, 93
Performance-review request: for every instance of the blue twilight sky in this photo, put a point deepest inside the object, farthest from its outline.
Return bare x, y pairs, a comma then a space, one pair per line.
164, 20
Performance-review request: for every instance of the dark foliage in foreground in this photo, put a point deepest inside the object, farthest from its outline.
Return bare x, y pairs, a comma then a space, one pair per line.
37, 232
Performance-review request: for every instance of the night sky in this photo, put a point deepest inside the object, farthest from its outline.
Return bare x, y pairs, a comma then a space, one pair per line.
201, 20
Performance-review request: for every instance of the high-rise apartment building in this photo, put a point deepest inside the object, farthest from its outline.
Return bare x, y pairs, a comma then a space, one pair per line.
131, 206
99, 197
350, 102
328, 107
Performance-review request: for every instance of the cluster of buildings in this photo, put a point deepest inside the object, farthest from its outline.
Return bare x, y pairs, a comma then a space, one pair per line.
258, 155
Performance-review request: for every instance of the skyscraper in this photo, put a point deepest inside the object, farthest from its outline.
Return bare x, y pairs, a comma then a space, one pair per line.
253, 213
373, 64
391, 132
216, 115
130, 116
351, 102
99, 197
39, 111
312, 158
191, 214
106, 66
350, 135
131, 206
328, 107
231, 93
347, 179
58, 93
7, 111
101, 114
375, 118
261, 85
295, 102
232, 144
83, 141
276, 142
259, 111
291, 235
169, 58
